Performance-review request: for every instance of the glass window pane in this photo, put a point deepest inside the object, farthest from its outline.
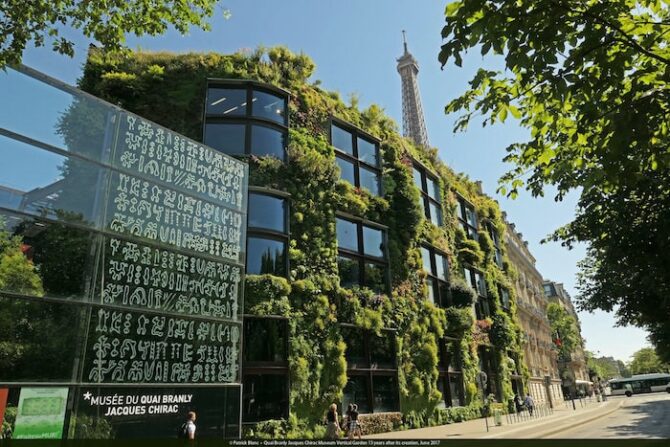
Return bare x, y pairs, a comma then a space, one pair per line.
356, 392
442, 266
269, 106
373, 241
470, 216
432, 295
349, 273
505, 298
382, 350
444, 294
433, 189
46, 184
417, 178
266, 256
265, 340
227, 138
347, 235
481, 284
367, 152
385, 394
375, 277
467, 274
267, 141
43, 258
39, 340
265, 396
346, 170
355, 351
498, 257
426, 257
341, 139
435, 214
456, 388
369, 180
440, 386
268, 212
226, 101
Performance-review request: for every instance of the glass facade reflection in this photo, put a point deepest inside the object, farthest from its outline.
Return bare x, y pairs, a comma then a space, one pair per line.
357, 156
120, 275
362, 257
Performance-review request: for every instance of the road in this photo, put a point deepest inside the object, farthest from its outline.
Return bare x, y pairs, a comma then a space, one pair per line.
641, 416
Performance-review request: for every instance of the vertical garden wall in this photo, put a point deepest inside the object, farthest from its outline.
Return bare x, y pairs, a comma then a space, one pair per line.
472, 311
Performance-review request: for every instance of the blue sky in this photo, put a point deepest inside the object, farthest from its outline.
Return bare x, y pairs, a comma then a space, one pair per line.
354, 45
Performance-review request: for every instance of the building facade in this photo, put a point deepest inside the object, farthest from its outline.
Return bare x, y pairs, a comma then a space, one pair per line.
574, 366
544, 383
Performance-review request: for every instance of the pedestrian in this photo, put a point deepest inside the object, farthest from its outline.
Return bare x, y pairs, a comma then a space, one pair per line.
187, 429
347, 419
354, 427
529, 403
517, 403
333, 429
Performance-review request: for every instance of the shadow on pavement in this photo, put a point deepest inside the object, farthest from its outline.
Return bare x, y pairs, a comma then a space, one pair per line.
652, 419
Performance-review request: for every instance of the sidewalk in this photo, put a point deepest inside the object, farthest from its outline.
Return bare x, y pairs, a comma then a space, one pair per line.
562, 418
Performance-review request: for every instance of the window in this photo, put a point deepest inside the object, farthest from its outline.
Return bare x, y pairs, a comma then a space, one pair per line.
504, 298
467, 217
487, 364
450, 381
246, 118
265, 396
267, 242
497, 252
372, 371
477, 282
436, 265
362, 255
431, 198
265, 341
357, 156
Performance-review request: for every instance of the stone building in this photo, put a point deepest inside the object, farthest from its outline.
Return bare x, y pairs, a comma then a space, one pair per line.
540, 358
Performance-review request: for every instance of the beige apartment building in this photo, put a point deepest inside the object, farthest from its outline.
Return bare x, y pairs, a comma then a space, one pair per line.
574, 366
544, 384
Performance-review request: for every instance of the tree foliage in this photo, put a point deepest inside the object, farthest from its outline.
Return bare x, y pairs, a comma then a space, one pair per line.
42, 22
646, 361
589, 80
602, 367
564, 327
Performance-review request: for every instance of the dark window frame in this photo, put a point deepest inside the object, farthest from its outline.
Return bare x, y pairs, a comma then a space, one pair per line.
371, 370
482, 305
497, 246
249, 120
357, 133
449, 374
506, 304
270, 234
471, 231
427, 200
360, 255
441, 301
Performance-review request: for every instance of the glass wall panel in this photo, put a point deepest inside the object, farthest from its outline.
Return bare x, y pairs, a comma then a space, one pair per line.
346, 170
441, 381
226, 101
435, 214
265, 396
39, 340
40, 258
373, 241
53, 116
341, 139
356, 392
369, 180
266, 256
367, 152
265, 340
456, 389
385, 397
347, 235
268, 106
267, 212
226, 137
375, 277
426, 258
349, 272
382, 350
268, 141
442, 266
433, 189
355, 351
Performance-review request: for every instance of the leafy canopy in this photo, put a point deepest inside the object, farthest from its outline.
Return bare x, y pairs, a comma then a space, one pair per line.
564, 327
589, 80
646, 361
42, 22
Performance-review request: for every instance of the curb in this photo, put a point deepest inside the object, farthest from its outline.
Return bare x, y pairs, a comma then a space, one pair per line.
580, 422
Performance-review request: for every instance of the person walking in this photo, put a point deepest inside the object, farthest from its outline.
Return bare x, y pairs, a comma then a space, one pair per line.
187, 429
354, 427
333, 428
529, 403
517, 403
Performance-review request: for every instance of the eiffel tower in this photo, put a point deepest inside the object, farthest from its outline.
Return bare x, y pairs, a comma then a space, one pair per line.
413, 123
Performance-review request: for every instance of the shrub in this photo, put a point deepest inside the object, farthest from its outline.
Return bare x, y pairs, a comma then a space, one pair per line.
461, 293
380, 422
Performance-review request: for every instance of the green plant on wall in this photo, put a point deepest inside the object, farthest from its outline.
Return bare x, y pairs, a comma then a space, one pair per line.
311, 297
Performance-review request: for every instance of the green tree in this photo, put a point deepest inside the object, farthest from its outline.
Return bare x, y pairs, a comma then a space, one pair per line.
42, 22
646, 361
589, 80
602, 368
564, 327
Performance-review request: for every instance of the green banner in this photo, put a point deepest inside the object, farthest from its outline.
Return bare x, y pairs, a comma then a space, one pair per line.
41, 413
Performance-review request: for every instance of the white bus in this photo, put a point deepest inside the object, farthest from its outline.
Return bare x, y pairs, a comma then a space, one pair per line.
640, 383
